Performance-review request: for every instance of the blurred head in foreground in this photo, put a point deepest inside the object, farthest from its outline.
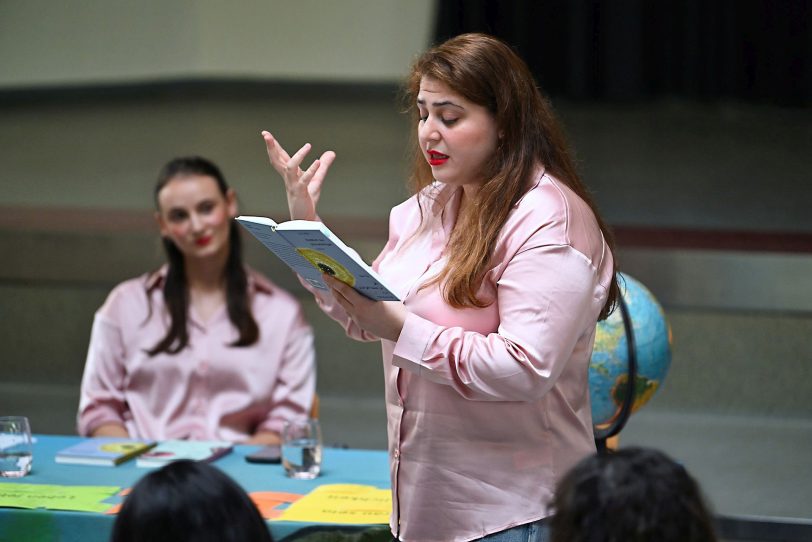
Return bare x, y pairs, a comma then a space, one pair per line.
630, 495
189, 501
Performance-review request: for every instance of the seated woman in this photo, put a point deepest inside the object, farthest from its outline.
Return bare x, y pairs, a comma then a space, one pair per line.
204, 347
189, 501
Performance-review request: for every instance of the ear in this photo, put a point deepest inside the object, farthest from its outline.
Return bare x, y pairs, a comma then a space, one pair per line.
231, 203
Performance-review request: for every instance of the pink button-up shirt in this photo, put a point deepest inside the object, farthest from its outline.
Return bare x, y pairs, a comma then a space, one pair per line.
209, 390
488, 407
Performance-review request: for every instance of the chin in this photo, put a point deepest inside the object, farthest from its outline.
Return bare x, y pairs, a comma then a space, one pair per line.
444, 178
208, 251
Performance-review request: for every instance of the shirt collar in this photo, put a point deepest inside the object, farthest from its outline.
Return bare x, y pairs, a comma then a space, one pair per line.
438, 195
539, 176
256, 282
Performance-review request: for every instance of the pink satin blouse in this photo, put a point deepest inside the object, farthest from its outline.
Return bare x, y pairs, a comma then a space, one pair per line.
487, 408
207, 391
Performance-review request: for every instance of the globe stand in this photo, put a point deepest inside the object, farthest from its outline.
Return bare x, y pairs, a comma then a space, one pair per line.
601, 435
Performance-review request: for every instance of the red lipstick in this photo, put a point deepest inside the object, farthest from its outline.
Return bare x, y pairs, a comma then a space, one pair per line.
437, 158
203, 241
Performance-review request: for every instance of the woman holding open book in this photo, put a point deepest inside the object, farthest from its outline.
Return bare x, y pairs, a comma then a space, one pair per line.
204, 348
504, 267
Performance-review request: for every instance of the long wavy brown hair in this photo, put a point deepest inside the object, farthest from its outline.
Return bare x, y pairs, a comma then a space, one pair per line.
487, 72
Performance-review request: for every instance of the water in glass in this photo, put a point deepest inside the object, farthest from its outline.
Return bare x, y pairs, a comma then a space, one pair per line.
302, 448
16, 449
302, 458
15, 464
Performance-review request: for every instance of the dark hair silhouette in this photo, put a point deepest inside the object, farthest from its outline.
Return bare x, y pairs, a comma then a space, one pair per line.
631, 495
487, 72
175, 289
189, 501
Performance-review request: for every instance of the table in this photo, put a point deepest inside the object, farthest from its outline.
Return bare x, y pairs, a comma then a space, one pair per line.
367, 467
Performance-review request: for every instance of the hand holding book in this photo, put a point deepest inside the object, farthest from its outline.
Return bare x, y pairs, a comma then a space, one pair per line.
382, 320
314, 252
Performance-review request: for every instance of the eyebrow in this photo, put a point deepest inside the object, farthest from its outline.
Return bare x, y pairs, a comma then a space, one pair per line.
421, 101
204, 201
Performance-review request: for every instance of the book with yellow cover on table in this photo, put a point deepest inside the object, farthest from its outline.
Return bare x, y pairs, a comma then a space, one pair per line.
310, 249
104, 451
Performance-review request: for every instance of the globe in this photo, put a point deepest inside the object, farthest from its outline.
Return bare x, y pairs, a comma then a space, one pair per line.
608, 369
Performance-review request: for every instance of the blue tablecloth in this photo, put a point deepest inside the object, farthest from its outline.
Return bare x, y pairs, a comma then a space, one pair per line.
366, 467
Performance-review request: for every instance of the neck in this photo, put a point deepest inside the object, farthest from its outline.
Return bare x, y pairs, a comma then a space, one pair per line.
206, 274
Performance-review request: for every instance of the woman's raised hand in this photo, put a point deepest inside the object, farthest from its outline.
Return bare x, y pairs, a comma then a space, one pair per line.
303, 187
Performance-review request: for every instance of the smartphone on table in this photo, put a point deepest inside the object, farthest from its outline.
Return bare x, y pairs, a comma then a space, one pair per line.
267, 454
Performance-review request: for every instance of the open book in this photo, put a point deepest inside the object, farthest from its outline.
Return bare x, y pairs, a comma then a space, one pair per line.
310, 249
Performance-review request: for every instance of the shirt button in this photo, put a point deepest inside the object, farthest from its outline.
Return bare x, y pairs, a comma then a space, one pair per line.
397, 454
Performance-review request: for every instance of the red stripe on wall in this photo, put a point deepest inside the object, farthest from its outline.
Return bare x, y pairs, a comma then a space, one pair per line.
681, 238
75, 220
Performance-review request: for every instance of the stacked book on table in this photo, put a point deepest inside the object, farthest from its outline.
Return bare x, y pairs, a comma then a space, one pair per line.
112, 451
105, 451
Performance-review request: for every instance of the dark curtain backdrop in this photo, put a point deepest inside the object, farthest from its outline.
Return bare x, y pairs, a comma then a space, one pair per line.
747, 50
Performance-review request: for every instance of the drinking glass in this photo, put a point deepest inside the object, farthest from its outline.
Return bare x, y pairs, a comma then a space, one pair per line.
301, 448
16, 449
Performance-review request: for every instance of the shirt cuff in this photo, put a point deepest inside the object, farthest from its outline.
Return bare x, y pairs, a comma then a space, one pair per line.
275, 426
277, 423
414, 340
90, 421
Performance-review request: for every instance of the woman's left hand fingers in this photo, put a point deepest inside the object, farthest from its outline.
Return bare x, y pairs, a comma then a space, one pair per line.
276, 154
383, 319
344, 292
325, 161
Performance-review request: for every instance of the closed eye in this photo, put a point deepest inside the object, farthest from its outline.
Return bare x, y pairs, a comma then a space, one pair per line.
447, 122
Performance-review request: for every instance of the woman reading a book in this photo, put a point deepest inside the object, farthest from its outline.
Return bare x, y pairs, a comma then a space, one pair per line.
204, 348
504, 267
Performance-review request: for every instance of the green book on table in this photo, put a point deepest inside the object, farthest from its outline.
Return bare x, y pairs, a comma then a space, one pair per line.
103, 451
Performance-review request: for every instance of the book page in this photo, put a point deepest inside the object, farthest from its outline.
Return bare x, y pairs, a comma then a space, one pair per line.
266, 234
311, 249
346, 504
329, 255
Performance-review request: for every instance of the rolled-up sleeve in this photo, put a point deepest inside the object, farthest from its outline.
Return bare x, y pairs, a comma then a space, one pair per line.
102, 394
295, 387
547, 298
